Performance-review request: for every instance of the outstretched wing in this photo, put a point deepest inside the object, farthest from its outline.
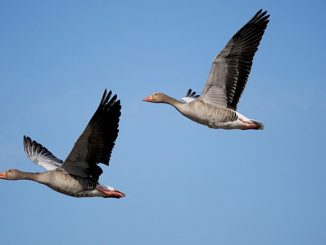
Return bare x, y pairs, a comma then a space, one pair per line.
190, 96
40, 155
231, 67
95, 144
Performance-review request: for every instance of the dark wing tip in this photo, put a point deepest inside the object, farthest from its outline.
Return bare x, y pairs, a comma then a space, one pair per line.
105, 97
109, 113
27, 139
240, 52
260, 16
107, 101
192, 94
26, 142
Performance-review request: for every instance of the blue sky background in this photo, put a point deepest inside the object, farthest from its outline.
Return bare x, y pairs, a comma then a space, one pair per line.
185, 183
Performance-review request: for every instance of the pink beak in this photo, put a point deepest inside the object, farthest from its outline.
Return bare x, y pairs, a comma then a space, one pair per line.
148, 99
3, 175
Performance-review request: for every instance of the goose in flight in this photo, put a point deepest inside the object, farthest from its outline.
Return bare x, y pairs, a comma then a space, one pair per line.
217, 104
78, 175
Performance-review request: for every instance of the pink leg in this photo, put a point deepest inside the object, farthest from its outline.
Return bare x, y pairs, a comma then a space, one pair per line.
110, 193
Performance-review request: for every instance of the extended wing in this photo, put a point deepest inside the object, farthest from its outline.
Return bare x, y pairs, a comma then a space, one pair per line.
231, 67
40, 155
95, 144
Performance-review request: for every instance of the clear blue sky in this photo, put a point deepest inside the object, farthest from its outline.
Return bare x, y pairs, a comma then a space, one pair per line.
185, 183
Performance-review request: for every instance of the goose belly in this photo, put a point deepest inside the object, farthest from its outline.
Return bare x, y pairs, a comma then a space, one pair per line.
71, 186
212, 116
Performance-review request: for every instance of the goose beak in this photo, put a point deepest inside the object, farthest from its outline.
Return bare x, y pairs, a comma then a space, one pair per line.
148, 99
3, 175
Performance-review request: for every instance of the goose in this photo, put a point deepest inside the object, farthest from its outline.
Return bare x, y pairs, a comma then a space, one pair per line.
216, 106
78, 175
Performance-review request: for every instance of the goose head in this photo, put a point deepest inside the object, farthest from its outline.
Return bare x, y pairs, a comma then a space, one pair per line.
11, 174
156, 98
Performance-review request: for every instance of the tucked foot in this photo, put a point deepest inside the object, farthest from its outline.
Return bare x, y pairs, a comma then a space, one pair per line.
254, 125
257, 125
110, 192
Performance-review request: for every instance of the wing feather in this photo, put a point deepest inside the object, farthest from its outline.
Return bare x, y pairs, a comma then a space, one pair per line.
95, 144
231, 67
190, 96
40, 155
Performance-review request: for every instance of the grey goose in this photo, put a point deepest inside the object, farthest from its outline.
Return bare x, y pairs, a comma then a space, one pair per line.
217, 104
78, 175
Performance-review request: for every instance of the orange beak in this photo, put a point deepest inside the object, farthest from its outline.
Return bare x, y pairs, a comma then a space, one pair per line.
3, 175
148, 99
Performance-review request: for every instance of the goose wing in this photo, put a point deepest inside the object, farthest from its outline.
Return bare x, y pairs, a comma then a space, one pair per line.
95, 144
231, 67
40, 155
190, 96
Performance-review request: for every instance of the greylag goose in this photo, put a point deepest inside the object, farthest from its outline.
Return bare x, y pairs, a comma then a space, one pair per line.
216, 106
78, 175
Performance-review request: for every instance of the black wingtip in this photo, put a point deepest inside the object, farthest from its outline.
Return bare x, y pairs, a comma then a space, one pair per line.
105, 97
261, 15
26, 140
260, 12
191, 93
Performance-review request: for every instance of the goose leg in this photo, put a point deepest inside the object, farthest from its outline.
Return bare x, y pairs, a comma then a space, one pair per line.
110, 192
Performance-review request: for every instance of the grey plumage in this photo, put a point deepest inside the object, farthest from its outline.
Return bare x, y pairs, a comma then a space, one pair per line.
78, 175
231, 67
216, 106
40, 155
